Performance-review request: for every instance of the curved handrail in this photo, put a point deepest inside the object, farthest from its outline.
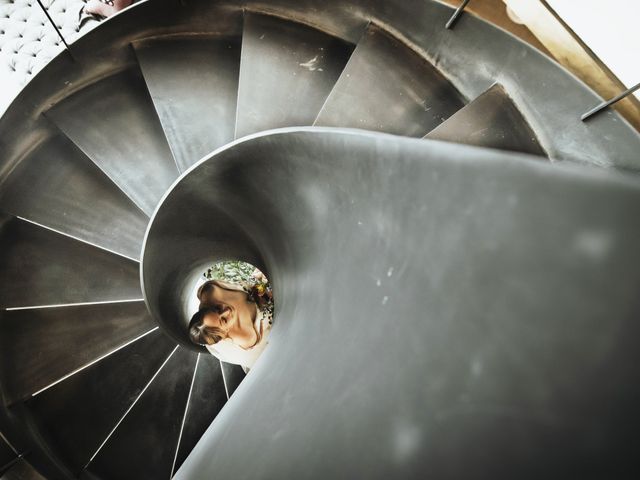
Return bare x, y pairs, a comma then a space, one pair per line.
438, 304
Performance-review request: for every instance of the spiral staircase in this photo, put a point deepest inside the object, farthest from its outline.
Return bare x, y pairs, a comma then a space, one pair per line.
149, 152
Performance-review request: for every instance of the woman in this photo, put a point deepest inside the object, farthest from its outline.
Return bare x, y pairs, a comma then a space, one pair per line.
233, 322
106, 8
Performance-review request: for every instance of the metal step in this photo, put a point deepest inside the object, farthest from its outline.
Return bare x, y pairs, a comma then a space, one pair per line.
491, 120
286, 72
21, 470
233, 376
44, 345
7, 455
387, 87
143, 446
40, 267
194, 86
58, 186
207, 397
114, 123
75, 416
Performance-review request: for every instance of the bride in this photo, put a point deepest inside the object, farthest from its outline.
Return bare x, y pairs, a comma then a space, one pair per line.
233, 321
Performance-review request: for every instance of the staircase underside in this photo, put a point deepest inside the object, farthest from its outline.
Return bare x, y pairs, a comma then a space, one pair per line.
436, 301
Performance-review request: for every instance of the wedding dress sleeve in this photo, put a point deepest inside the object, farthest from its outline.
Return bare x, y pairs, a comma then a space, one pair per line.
229, 352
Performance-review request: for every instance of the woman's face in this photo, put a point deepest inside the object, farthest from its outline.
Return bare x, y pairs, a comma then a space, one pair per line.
228, 302
236, 315
219, 321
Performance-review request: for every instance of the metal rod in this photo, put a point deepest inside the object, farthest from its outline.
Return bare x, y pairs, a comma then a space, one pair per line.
56, 28
604, 105
456, 14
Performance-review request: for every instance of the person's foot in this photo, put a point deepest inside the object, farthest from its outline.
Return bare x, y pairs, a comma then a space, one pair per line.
106, 8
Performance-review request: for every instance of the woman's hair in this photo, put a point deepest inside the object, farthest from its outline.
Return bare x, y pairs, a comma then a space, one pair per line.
199, 333
203, 292
207, 287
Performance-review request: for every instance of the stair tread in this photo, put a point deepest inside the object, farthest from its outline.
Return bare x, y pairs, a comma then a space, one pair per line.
194, 86
286, 72
21, 470
58, 186
77, 415
387, 87
7, 455
207, 398
143, 446
233, 376
41, 267
490, 120
114, 123
46, 344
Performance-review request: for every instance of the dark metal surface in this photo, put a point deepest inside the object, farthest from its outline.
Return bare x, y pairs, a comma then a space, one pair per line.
436, 302
114, 123
512, 366
144, 444
41, 267
233, 376
58, 186
75, 416
7, 455
21, 470
194, 86
286, 73
602, 106
491, 120
207, 398
42, 345
388, 88
473, 56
